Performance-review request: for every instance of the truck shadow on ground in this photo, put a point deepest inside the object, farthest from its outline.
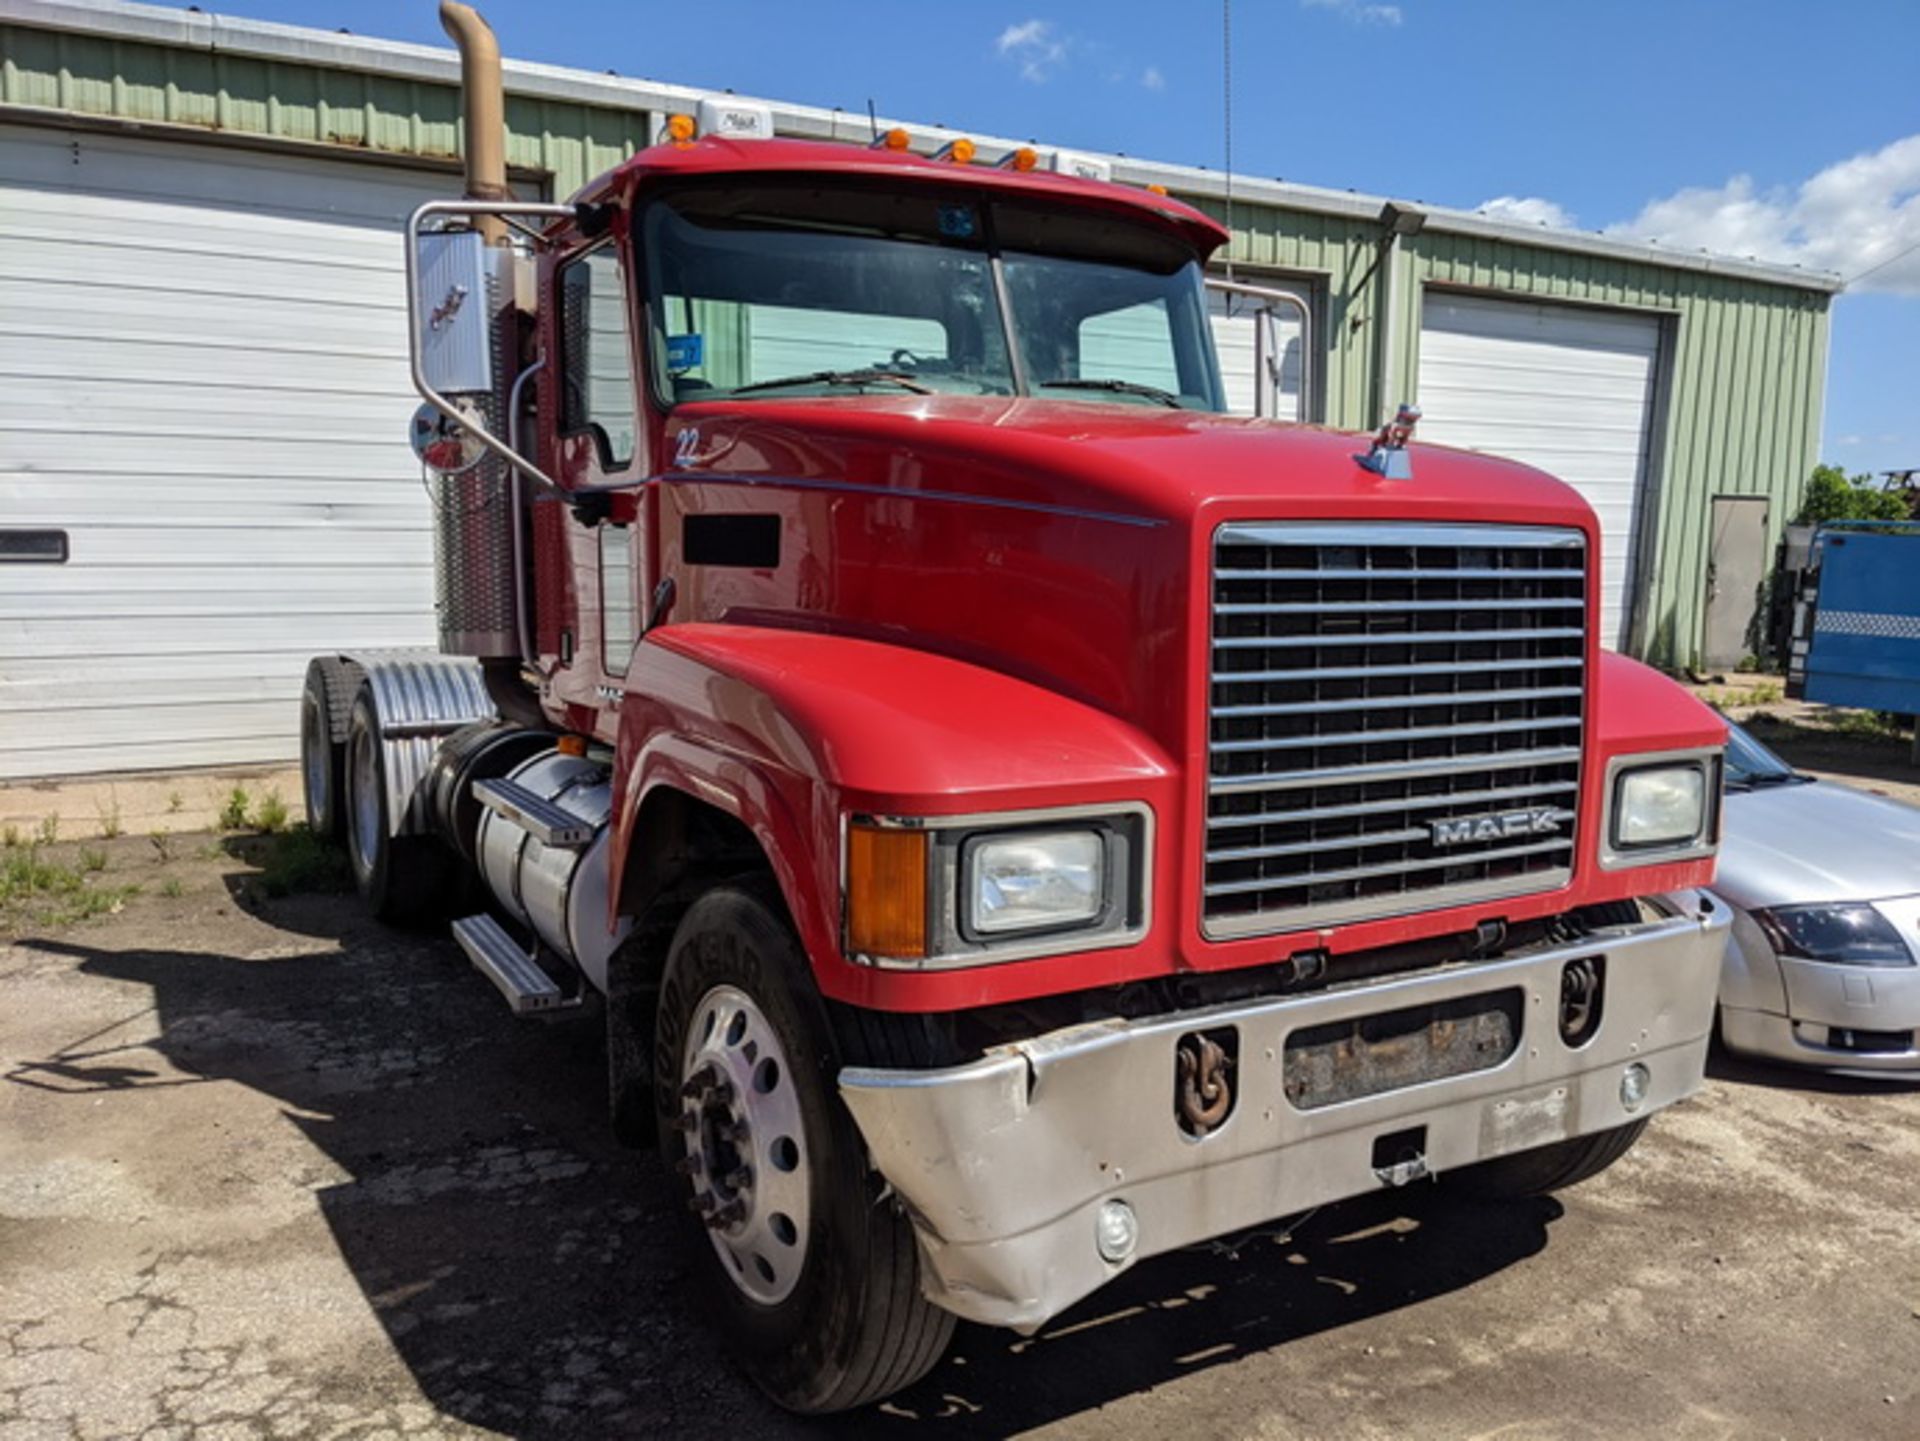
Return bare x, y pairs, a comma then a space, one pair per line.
535, 1279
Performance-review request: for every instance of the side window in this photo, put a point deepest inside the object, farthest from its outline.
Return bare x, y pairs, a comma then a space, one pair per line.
596, 377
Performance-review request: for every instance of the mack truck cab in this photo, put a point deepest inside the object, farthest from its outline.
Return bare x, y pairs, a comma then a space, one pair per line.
1015, 818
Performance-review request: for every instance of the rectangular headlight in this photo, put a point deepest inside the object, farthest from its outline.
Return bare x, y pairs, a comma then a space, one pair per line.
1659, 806
1034, 880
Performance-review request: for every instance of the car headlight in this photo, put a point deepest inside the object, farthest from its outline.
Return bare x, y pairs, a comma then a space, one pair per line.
1659, 806
1847, 935
1041, 880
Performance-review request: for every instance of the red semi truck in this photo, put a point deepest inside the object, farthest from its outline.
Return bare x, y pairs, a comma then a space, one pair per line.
1017, 818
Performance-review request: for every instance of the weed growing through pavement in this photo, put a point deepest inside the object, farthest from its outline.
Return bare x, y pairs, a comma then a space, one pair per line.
271, 814
37, 891
233, 815
295, 861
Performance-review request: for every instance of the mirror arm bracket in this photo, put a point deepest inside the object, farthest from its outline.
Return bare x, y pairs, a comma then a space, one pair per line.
470, 208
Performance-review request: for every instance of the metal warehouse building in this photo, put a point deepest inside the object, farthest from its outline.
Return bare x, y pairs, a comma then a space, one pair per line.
204, 476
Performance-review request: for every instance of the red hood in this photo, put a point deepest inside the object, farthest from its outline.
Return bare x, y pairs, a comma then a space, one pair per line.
1129, 461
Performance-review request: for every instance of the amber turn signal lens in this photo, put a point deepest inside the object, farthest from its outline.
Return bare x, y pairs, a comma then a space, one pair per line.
887, 892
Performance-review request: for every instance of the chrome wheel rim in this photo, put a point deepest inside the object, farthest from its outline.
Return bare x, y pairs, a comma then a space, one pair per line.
316, 747
363, 796
746, 1148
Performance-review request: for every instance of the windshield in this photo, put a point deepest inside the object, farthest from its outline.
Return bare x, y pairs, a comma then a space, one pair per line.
1749, 763
786, 289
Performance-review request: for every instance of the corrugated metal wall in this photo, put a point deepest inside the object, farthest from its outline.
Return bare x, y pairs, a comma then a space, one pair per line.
1746, 363
244, 95
1743, 379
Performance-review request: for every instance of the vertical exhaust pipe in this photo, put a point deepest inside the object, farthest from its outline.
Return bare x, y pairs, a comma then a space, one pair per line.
483, 95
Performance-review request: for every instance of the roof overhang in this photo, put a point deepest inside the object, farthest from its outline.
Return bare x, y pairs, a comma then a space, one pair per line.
296, 44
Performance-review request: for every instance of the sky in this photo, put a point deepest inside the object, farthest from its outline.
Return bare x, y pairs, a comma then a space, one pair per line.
1766, 128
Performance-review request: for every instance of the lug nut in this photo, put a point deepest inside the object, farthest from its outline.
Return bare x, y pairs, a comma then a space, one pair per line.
699, 1081
721, 1093
727, 1215
700, 1204
685, 1121
739, 1180
687, 1165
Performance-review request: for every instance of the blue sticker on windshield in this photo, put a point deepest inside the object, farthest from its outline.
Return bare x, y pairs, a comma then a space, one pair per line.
684, 352
956, 221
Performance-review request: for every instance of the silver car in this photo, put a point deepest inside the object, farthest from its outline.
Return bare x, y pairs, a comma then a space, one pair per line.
1824, 882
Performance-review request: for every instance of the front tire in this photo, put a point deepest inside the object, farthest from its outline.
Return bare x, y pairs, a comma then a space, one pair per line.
405, 880
810, 1272
1547, 1169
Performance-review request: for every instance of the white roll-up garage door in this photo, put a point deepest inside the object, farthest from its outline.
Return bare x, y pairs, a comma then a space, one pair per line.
1235, 321
205, 387
1567, 389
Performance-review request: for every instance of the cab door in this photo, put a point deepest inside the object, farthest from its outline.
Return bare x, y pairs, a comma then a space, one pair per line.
591, 618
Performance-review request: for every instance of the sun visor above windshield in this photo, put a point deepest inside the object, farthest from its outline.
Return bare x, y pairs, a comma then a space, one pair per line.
733, 164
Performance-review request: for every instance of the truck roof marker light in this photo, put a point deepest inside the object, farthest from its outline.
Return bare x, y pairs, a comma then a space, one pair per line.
1024, 159
893, 139
571, 745
887, 892
681, 129
959, 151
1156, 188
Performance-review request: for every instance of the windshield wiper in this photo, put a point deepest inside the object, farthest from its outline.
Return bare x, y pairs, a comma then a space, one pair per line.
839, 377
1753, 780
1124, 387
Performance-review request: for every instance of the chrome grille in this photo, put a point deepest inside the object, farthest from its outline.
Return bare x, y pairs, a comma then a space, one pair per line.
1369, 681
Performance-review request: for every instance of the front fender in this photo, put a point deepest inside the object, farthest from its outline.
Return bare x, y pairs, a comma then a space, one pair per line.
791, 731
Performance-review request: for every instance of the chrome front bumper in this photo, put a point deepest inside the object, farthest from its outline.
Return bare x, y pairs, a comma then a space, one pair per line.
1005, 1163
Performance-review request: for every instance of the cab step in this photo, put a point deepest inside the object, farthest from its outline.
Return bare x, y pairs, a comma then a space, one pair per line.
539, 817
529, 990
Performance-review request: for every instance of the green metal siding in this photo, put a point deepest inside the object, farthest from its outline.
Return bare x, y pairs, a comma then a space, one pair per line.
243, 95
1334, 253
1743, 374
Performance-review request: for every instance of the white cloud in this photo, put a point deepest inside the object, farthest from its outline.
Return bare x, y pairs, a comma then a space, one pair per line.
1036, 46
1858, 216
1527, 210
1360, 12
1152, 79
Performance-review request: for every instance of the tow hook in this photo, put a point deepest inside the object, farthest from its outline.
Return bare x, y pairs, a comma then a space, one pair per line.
1204, 1096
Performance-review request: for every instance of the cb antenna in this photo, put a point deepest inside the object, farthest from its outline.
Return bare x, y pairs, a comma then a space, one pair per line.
1226, 107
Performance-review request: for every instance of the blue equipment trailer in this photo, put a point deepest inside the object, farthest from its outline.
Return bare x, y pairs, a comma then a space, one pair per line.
1856, 633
